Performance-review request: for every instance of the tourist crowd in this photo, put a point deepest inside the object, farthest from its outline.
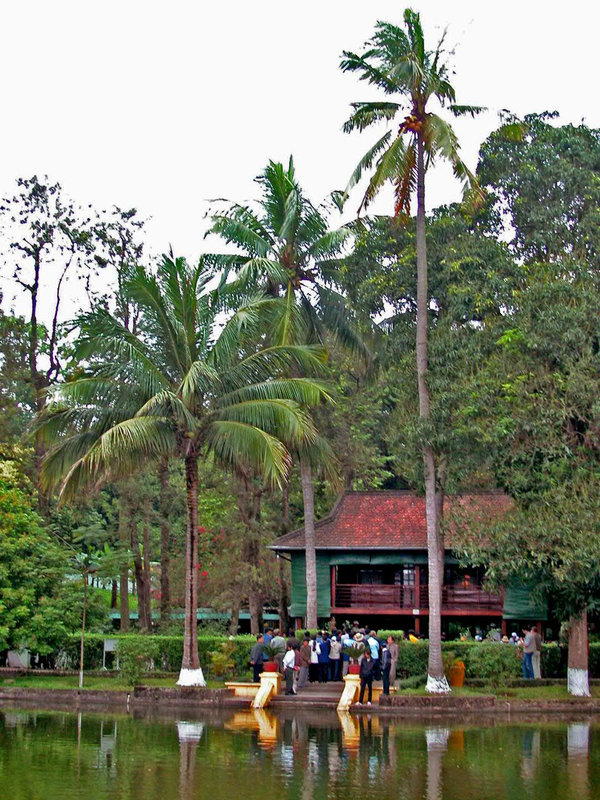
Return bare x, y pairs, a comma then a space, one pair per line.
326, 657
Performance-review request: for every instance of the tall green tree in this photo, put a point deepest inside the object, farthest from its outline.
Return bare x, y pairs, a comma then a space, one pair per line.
187, 385
543, 185
398, 63
286, 248
538, 416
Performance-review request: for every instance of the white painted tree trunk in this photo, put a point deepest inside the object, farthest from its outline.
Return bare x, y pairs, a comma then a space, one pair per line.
577, 669
191, 677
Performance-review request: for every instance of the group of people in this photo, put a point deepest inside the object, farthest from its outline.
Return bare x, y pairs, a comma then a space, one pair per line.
321, 657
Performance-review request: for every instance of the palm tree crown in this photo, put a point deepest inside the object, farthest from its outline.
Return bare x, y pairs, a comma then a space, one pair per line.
184, 384
398, 63
286, 248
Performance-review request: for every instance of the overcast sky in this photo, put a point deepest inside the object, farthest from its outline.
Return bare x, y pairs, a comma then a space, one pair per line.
163, 105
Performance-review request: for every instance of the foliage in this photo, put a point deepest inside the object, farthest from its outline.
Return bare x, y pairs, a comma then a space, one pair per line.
272, 651
543, 185
137, 655
32, 569
221, 660
164, 651
354, 651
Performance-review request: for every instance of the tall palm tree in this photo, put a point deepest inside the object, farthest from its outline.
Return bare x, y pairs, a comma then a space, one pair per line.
397, 62
285, 248
187, 385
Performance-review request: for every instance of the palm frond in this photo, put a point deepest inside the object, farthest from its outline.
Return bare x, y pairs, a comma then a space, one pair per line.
366, 114
305, 391
235, 443
276, 360
241, 233
407, 182
330, 243
284, 419
464, 111
367, 160
167, 405
120, 451
199, 380
352, 62
388, 168
441, 139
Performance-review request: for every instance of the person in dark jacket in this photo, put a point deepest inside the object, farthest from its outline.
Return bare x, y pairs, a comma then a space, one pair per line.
367, 669
386, 665
257, 657
323, 657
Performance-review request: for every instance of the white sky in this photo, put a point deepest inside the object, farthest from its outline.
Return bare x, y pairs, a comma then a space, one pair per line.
163, 105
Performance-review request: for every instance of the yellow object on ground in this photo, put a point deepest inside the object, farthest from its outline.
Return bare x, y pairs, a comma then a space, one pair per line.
351, 692
269, 686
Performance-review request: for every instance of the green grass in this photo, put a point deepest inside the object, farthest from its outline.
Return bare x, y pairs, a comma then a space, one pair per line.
512, 693
90, 682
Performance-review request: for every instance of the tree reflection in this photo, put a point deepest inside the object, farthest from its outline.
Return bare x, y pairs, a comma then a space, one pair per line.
578, 751
437, 744
189, 734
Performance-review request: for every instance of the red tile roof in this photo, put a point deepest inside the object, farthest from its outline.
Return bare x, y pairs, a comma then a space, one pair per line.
386, 520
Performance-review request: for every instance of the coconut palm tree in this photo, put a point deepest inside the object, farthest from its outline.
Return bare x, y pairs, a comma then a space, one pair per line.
186, 385
397, 62
285, 248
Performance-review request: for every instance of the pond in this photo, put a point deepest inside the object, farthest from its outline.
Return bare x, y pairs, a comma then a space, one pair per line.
250, 755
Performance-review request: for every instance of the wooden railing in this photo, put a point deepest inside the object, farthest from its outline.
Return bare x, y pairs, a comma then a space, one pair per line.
379, 596
373, 595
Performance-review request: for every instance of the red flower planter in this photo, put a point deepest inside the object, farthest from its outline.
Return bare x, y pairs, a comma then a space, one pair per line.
354, 669
270, 666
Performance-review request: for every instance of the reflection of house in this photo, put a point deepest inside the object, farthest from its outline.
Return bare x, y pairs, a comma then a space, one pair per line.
372, 565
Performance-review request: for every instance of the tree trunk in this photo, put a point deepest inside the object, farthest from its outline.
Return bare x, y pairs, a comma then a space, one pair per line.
235, 619
191, 674
577, 671
147, 576
436, 681
308, 498
124, 574
165, 585
283, 596
254, 604
140, 577
114, 593
283, 582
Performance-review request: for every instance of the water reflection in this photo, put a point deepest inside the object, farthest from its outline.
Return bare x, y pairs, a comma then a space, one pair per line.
578, 750
258, 753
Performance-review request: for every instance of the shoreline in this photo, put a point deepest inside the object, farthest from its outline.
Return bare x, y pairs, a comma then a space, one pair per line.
395, 706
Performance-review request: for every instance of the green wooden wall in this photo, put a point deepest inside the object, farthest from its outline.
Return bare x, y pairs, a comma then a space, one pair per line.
518, 601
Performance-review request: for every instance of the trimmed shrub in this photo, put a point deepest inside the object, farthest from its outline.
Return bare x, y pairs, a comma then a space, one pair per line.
137, 655
164, 651
482, 659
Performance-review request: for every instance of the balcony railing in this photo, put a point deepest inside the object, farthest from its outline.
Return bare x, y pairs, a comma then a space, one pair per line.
367, 595
390, 597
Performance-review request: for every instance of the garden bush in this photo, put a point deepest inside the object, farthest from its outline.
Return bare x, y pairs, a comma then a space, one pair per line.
482, 659
164, 651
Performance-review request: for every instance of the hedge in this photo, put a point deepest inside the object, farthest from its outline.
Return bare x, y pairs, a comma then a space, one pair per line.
485, 660
164, 651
